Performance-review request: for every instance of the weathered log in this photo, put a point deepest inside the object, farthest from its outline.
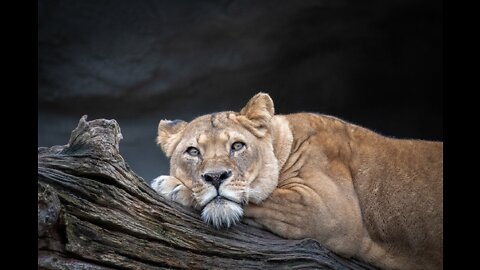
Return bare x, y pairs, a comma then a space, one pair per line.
94, 212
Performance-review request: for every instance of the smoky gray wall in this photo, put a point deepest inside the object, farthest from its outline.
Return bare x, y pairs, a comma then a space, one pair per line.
374, 63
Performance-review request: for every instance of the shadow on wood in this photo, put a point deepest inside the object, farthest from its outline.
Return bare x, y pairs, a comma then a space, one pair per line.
94, 212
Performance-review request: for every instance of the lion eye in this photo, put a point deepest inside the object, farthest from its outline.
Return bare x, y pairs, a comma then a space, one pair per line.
237, 146
192, 151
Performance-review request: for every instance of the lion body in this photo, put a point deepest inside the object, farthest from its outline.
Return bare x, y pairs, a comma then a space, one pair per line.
358, 193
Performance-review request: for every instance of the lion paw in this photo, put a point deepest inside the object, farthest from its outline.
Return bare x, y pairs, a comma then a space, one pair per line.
173, 189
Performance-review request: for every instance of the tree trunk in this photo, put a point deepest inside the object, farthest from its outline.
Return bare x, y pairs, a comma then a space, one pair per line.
94, 212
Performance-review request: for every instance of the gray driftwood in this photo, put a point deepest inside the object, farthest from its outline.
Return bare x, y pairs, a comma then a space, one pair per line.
94, 212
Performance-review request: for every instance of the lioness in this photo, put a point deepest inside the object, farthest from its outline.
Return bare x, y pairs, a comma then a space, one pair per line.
304, 175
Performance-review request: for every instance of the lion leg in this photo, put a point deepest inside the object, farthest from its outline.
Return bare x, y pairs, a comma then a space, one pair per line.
288, 213
173, 189
273, 216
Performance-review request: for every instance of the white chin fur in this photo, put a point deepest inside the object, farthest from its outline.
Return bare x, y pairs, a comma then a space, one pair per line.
222, 213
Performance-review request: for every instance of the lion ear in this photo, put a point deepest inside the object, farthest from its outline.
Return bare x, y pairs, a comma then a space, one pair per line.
169, 134
258, 112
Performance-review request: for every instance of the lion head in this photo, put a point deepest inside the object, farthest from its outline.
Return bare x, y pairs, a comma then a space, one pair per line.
227, 158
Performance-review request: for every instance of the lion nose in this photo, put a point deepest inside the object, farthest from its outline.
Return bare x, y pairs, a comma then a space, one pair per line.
216, 178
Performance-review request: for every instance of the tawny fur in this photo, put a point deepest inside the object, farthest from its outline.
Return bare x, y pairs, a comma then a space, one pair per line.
302, 175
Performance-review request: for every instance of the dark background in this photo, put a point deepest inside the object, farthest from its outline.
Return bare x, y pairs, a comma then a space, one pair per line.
378, 64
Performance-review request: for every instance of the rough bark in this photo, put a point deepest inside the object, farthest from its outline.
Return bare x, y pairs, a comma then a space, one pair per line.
94, 212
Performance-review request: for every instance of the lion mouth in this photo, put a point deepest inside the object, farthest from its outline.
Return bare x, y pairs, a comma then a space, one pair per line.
219, 199
221, 211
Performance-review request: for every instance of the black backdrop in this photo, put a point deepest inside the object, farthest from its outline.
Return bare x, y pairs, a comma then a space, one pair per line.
373, 63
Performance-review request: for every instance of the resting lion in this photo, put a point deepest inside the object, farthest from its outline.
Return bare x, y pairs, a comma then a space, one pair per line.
303, 175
